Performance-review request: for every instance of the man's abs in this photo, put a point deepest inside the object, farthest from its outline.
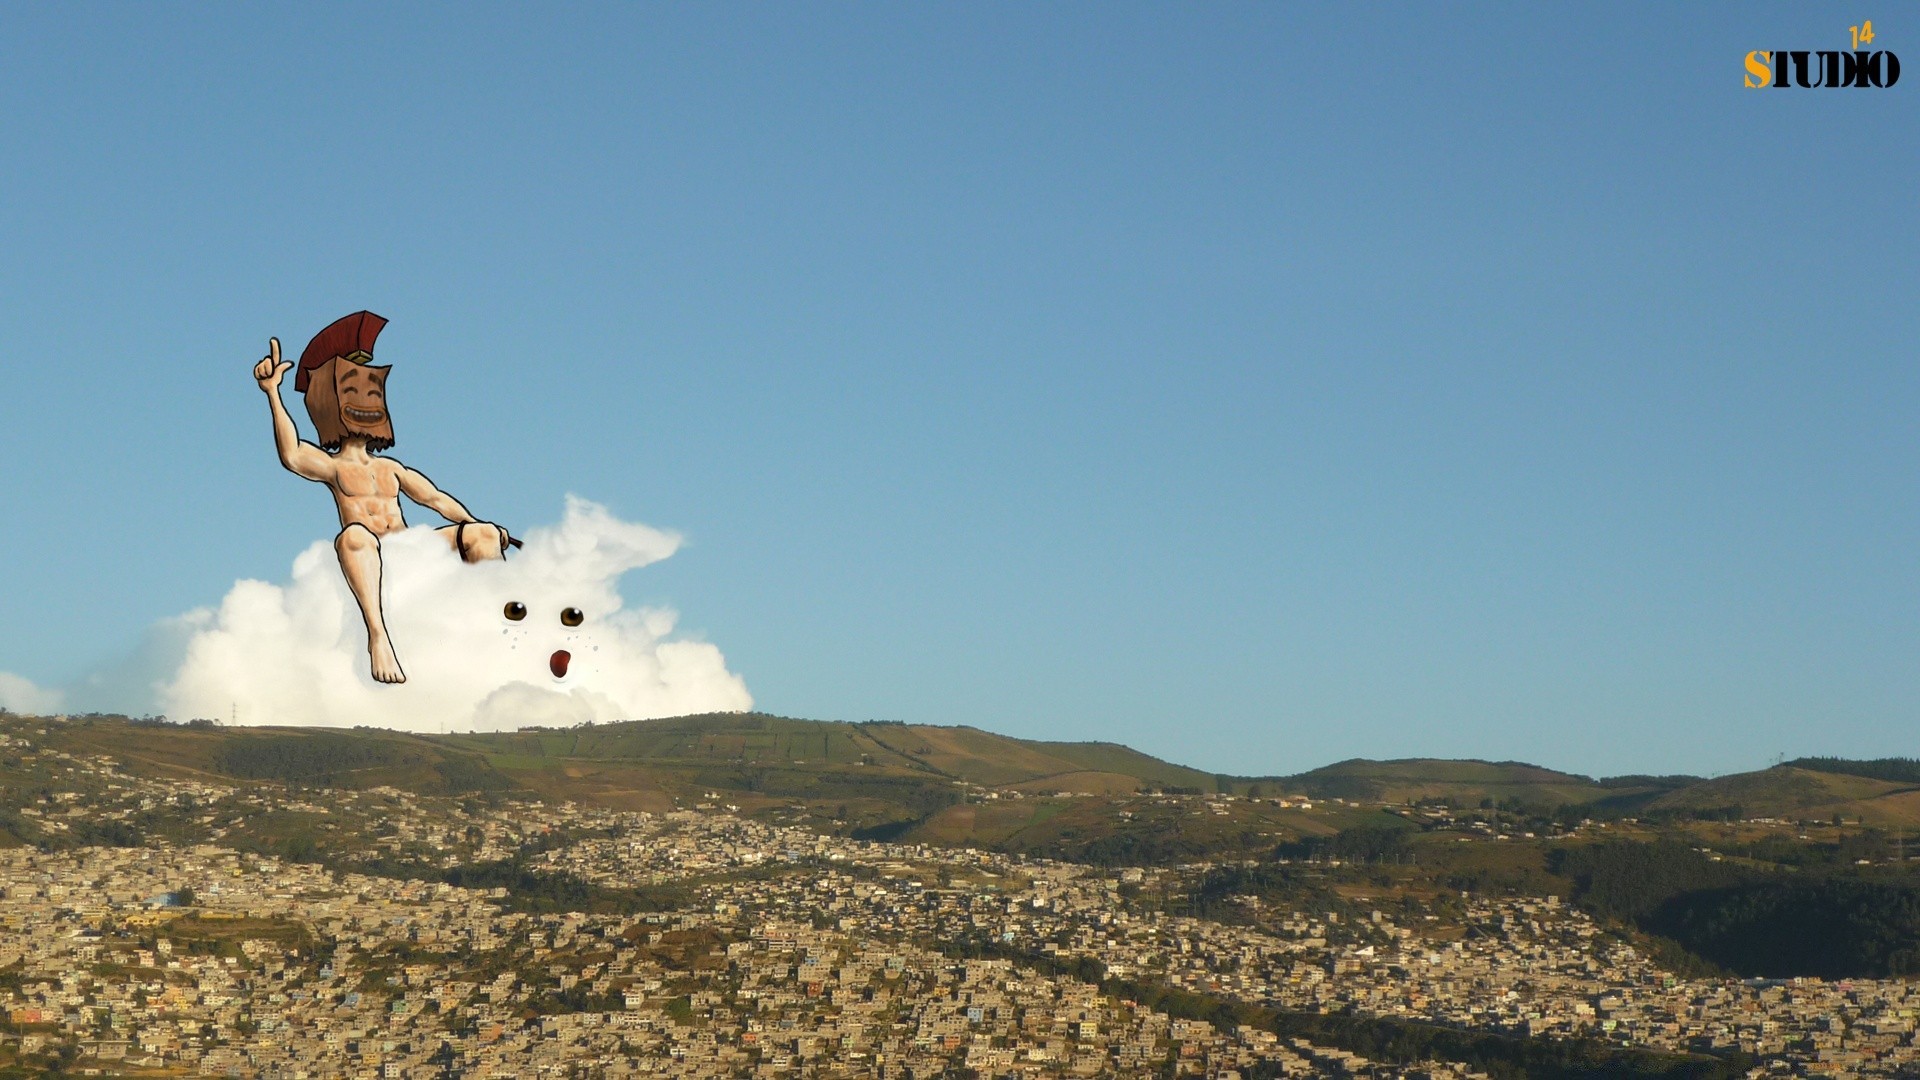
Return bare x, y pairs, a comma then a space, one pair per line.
380, 516
369, 496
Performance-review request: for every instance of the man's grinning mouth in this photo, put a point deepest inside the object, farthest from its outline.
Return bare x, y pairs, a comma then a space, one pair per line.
364, 416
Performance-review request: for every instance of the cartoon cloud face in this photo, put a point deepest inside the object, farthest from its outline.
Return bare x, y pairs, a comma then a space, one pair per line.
295, 654
561, 661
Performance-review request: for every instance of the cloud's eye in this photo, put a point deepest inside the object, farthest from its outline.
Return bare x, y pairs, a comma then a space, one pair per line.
515, 611
572, 617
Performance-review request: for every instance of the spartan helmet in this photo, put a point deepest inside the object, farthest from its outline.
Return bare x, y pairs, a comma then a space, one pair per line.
346, 394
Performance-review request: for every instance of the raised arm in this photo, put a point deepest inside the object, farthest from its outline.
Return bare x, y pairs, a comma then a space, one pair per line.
415, 485
303, 459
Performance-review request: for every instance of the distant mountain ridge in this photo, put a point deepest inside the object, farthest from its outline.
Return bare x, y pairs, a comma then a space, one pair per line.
918, 768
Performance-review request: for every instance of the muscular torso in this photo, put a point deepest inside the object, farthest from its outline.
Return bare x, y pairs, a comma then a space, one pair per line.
367, 492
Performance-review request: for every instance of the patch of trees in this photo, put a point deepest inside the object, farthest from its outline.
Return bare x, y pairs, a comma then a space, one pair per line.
85, 833
1874, 845
1729, 812
1361, 843
544, 893
530, 890
313, 758
578, 998
719, 722
1214, 895
1748, 921
1137, 848
1627, 880
1336, 787
1140, 843
299, 846
80, 832
1831, 927
327, 757
886, 832
465, 773
918, 796
1644, 780
1899, 770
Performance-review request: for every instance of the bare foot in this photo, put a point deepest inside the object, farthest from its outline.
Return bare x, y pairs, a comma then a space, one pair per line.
386, 666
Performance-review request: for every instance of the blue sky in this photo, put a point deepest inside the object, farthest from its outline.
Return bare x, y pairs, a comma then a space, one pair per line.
1257, 385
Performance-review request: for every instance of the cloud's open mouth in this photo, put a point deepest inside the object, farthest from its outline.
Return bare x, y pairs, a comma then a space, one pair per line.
557, 663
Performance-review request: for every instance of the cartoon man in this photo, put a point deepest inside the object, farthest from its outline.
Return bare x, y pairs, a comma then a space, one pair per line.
347, 399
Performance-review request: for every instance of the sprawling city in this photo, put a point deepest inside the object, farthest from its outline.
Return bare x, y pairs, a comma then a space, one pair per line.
163, 919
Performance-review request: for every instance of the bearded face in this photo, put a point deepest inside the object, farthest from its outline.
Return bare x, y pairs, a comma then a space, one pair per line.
348, 399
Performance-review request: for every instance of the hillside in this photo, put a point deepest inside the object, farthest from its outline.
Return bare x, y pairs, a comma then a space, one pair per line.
985, 758
912, 780
1465, 783
648, 764
1796, 793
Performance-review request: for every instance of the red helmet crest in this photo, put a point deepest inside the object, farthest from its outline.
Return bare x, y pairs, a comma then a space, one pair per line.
348, 334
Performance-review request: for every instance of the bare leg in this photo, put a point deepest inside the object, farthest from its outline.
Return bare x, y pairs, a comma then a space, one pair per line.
477, 541
359, 552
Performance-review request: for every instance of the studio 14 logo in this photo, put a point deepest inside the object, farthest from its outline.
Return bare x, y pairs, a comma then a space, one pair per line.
1811, 68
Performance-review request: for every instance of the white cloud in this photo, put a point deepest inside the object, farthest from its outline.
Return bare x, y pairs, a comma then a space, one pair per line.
20, 696
295, 653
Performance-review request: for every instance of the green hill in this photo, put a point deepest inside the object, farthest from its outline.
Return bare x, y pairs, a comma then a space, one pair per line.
1799, 794
1465, 783
889, 774
982, 757
647, 763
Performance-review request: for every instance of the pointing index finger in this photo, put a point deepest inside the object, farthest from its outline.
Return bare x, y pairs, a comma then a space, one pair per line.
273, 350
